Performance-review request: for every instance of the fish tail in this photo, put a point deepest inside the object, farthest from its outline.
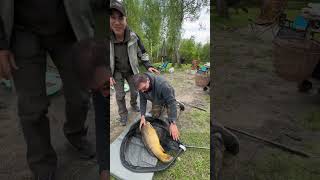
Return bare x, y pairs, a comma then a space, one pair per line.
166, 158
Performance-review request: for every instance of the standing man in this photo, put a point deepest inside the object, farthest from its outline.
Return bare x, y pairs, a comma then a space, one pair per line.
29, 30
93, 70
125, 50
157, 90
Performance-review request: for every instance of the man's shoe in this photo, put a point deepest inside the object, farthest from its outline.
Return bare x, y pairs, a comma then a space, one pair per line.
50, 176
123, 120
80, 142
135, 108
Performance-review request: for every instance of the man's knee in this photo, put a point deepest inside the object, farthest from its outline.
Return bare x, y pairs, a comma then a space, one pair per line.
79, 98
120, 96
32, 107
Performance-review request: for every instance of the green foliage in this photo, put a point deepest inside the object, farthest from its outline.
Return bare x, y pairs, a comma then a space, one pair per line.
134, 17
190, 50
240, 20
152, 24
159, 21
205, 53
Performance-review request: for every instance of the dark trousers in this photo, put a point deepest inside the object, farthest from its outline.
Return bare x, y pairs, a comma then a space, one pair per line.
102, 117
30, 52
119, 77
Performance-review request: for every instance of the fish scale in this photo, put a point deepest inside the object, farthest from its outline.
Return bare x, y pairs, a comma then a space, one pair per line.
152, 143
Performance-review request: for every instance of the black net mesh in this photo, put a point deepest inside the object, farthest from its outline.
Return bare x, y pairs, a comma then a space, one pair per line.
135, 156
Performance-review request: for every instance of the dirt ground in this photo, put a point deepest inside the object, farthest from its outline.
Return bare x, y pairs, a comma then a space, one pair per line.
13, 165
185, 91
248, 95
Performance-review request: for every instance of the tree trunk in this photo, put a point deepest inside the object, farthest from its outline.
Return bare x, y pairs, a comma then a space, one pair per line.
222, 8
178, 57
151, 52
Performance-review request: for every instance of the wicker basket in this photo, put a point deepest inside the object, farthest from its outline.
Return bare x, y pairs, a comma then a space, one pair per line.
202, 79
295, 60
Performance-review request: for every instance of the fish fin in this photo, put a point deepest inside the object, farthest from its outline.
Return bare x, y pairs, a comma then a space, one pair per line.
162, 149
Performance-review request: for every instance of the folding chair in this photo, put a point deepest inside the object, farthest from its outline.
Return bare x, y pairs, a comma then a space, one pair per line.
163, 66
271, 14
296, 29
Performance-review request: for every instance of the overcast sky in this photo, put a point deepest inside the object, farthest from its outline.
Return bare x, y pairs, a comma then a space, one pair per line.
193, 28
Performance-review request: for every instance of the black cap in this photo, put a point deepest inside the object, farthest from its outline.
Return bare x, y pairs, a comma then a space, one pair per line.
117, 5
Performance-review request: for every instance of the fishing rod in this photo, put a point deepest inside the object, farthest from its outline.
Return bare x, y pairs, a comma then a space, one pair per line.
275, 144
185, 146
196, 147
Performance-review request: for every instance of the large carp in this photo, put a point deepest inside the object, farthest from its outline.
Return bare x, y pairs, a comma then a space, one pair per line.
152, 143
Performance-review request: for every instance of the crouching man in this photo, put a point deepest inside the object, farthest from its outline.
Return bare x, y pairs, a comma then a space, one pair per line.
157, 90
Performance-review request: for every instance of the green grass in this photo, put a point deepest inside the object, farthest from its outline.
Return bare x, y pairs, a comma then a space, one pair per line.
235, 20
200, 119
278, 165
194, 163
241, 20
312, 120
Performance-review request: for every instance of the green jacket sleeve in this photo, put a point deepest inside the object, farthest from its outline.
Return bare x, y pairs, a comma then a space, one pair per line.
143, 55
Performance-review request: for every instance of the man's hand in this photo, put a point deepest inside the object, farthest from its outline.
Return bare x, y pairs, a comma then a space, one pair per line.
174, 132
112, 81
153, 70
142, 122
7, 64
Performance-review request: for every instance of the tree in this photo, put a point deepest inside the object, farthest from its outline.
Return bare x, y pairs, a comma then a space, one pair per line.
183, 10
158, 21
134, 16
152, 24
188, 49
222, 8
191, 50
205, 53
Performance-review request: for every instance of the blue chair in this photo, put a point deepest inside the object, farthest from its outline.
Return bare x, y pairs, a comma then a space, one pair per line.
296, 29
300, 23
163, 66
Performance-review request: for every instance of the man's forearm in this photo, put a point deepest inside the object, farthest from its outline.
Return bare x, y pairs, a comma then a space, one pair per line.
143, 55
143, 105
147, 64
172, 112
